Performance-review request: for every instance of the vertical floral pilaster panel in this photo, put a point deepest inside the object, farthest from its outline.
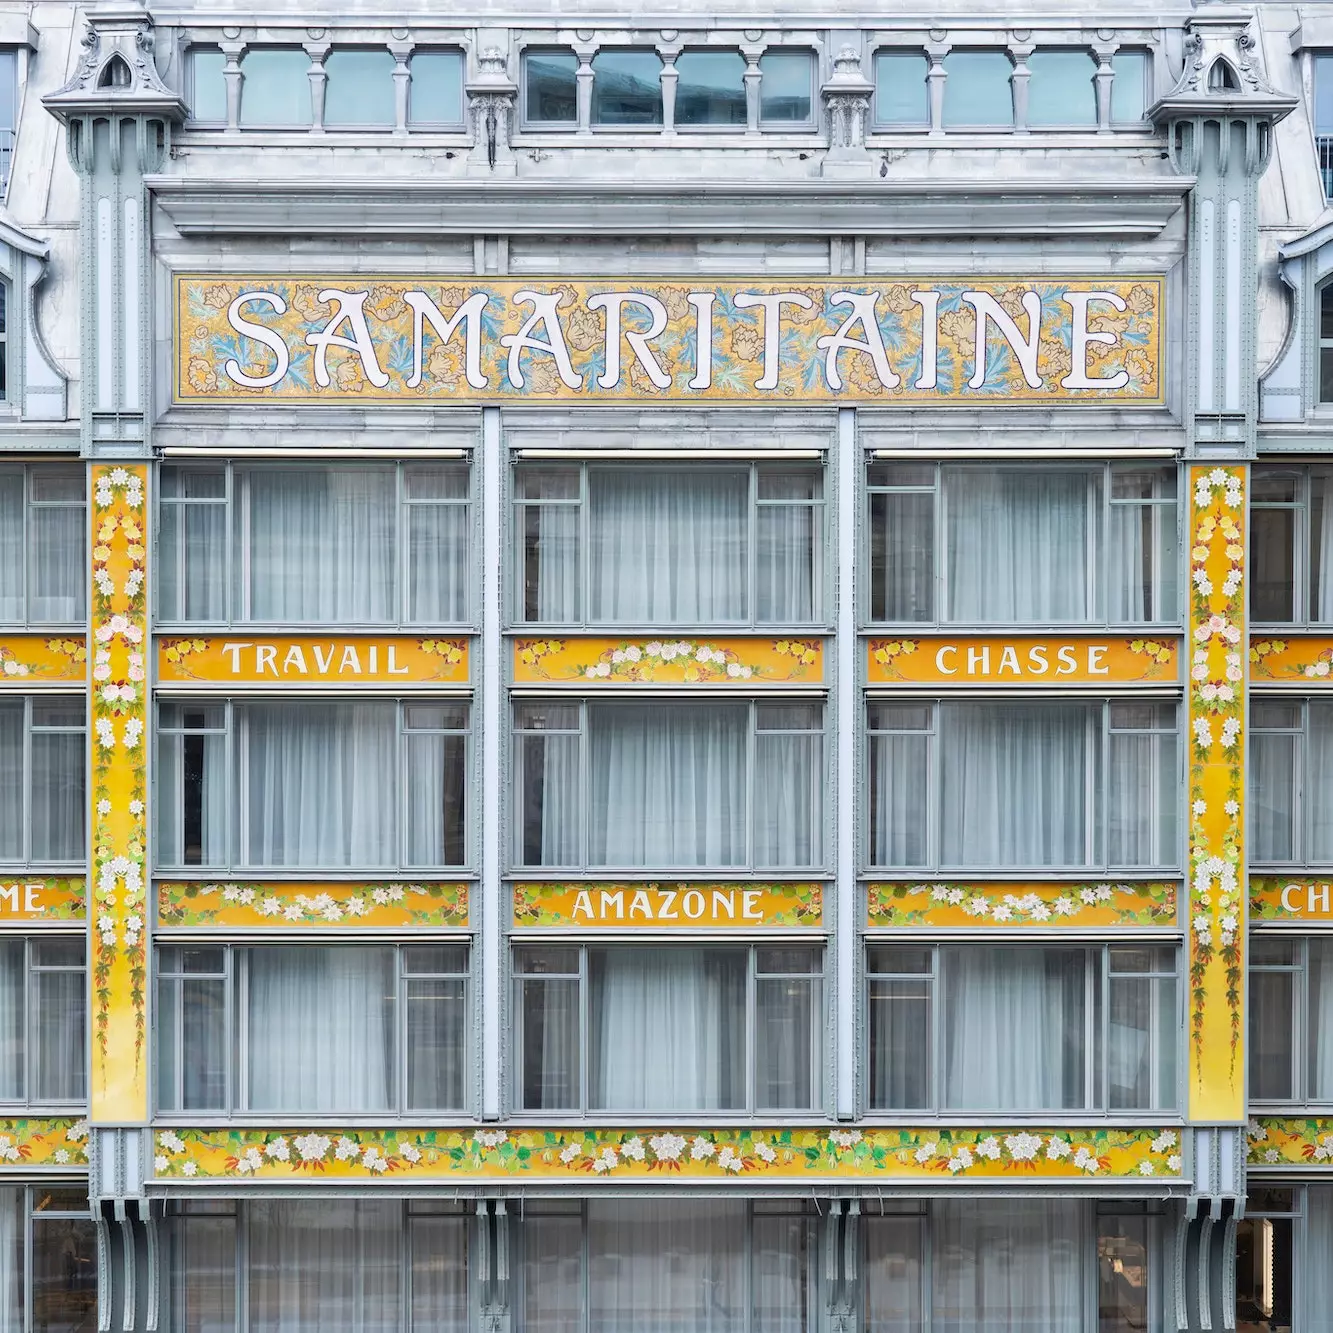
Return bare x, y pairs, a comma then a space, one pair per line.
1216, 794
119, 1089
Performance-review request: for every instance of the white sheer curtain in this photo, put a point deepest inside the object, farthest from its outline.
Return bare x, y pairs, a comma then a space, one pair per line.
1273, 788
668, 1029
894, 1279
668, 546
58, 784
1317, 1270
55, 563
12, 591
321, 784
1014, 783
11, 1258
12, 779
439, 1273
666, 1266
1018, 545
1319, 771
899, 799
1321, 544
58, 1032
1014, 1031
320, 1028
788, 810
331, 1265
321, 544
668, 785
552, 1272
13, 1006
1008, 1266
552, 799
781, 1254
1320, 1022
1131, 576
784, 564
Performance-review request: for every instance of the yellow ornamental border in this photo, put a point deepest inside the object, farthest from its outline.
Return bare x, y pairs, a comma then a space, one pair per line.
1290, 1141
996, 660
44, 1141
119, 1086
678, 905
1304, 660
27, 658
951, 904
284, 904
577, 1154
32, 900
1216, 792
668, 660
1291, 898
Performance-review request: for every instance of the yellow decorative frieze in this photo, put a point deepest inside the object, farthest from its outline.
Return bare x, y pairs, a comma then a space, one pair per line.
311, 661
42, 1141
669, 660
1305, 661
1291, 898
118, 1090
40, 659
1028, 660
674, 906
580, 1154
322, 904
1291, 1141
1216, 794
1042, 904
389, 338
29, 900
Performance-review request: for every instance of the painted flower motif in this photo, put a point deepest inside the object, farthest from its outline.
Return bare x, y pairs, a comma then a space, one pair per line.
1173, 1164
926, 1151
1057, 1149
1022, 1147
490, 1138
409, 1152
1164, 1141
765, 1152
606, 1160
189, 1169
312, 1147
61, 1157
989, 1148
845, 1138
632, 1149
570, 1151
159, 1164
728, 1160
667, 1147
278, 1150
960, 1161
701, 1149
1146, 1168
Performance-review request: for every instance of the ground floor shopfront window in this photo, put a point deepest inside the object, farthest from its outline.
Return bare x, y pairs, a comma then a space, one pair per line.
48, 1260
1284, 1280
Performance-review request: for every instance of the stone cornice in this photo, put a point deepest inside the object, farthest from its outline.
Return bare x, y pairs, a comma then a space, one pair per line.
900, 208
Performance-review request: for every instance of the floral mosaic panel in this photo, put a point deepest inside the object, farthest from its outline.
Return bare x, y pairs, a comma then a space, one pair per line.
393, 338
1291, 898
27, 659
1288, 1141
1306, 660
746, 662
1216, 793
312, 661
285, 903
745, 905
43, 1142
994, 660
940, 904
119, 1086
34, 900
647, 1154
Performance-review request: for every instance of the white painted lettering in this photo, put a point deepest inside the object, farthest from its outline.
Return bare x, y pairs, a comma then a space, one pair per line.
1318, 899
1009, 661
544, 313
750, 908
978, 661
582, 904
771, 303
929, 301
468, 314
1096, 660
266, 659
724, 904
324, 661
989, 311
350, 661
1037, 663
614, 303
260, 333
393, 669
640, 906
235, 650
612, 901
349, 308
872, 343
939, 660
703, 338
295, 660
1078, 377
667, 911
1068, 663
1288, 897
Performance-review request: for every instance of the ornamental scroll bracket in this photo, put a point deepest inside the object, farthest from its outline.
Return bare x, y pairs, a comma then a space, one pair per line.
491, 98
847, 102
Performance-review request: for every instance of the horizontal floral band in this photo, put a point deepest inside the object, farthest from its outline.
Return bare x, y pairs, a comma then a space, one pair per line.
668, 661
951, 904
566, 1154
1287, 1141
280, 903
43, 1142
674, 906
28, 658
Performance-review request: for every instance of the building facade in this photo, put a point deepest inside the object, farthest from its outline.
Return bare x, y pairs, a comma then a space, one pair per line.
666, 672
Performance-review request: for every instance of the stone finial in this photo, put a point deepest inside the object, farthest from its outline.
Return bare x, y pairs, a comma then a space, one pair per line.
847, 97
490, 97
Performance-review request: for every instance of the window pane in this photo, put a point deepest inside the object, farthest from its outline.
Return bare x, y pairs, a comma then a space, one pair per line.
13, 1023
977, 90
436, 91
626, 88
667, 1029
1019, 545
784, 87
1264, 1273
192, 803
549, 1014
439, 1273
551, 87
319, 1024
1142, 558
893, 1274
436, 1063
901, 1037
1125, 1277
553, 1273
899, 800
550, 563
1273, 544
1142, 1011
360, 88
13, 544
902, 555
788, 800
1326, 369
192, 1052
64, 1274
667, 786
1319, 812
1061, 90
551, 795
1143, 799
203, 1274
785, 588
668, 546
786, 1025
711, 88
437, 782
275, 89
1017, 784
1014, 1024
1321, 546
191, 570
781, 1261
55, 564
901, 97
1129, 88
59, 782
1319, 1022
1273, 790
59, 1052
208, 89
1272, 1020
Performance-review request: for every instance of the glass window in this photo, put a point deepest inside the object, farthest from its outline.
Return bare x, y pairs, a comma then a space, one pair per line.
626, 87
208, 88
1039, 545
436, 91
1022, 1027
1021, 785
740, 545
686, 785
550, 87
1062, 89
307, 1267
48, 1259
1291, 755
359, 90
309, 1028
901, 93
4, 338
43, 552
668, 1028
1291, 517
977, 90
1291, 1020
710, 89
330, 784
1129, 87
275, 87
1266, 1248
43, 1007
785, 87
43, 782
321, 544
9, 111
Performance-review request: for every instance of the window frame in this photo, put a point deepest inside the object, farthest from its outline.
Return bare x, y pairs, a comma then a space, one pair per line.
529, 123
712, 126
235, 503
360, 127
58, 729
821, 564
233, 980
1097, 810
620, 126
1064, 126
269, 126
1303, 1022
31, 1195
34, 1056
235, 781
584, 1110
192, 51
1005, 127
584, 865
1301, 831
79, 624
768, 125
1099, 975
1098, 541
455, 126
